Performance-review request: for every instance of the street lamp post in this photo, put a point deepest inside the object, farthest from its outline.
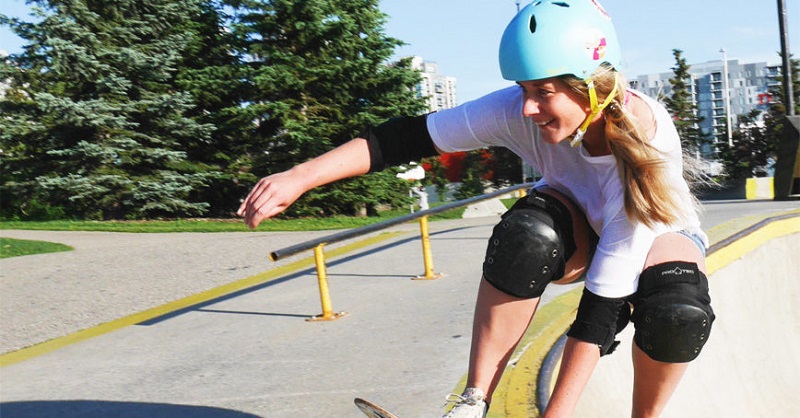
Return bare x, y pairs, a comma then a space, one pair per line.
786, 66
727, 96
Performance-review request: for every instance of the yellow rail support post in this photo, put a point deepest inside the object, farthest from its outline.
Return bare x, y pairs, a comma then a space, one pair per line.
426, 252
324, 294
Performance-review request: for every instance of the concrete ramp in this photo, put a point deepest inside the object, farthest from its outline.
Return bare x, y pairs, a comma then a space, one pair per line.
751, 365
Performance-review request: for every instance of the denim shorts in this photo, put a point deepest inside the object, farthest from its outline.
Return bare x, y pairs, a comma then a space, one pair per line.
696, 239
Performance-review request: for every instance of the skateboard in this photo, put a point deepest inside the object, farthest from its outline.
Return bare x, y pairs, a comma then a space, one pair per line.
371, 410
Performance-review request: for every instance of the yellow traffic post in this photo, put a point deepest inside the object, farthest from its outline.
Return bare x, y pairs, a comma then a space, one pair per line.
426, 251
324, 294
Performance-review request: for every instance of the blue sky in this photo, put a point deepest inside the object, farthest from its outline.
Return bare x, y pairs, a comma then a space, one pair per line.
462, 35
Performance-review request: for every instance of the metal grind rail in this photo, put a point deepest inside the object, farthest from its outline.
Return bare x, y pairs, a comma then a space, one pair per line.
319, 255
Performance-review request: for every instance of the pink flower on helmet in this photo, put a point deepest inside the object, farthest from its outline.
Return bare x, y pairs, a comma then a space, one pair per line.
600, 50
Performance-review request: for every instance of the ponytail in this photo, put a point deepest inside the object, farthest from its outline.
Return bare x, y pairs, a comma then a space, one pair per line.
649, 196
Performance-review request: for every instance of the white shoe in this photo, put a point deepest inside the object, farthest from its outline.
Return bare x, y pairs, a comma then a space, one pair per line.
470, 404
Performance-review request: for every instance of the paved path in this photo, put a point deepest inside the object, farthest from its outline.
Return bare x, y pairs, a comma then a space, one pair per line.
249, 353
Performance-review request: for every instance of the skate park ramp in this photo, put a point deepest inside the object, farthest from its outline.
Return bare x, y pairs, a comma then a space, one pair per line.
750, 366
244, 348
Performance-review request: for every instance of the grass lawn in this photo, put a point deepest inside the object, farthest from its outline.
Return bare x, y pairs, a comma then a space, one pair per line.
219, 225
10, 247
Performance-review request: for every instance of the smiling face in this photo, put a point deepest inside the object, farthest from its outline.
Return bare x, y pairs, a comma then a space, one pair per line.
554, 107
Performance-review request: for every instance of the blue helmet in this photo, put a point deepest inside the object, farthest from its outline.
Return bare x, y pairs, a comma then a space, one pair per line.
553, 38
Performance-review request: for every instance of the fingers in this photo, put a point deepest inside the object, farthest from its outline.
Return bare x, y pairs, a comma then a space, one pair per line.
271, 196
246, 201
256, 190
259, 208
255, 204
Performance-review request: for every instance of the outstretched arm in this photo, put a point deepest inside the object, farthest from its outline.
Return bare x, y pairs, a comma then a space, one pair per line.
274, 193
396, 141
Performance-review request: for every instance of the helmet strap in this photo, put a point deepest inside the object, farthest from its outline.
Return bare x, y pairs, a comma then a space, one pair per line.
595, 109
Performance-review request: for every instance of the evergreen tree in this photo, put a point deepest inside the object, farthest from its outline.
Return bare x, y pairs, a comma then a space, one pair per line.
681, 106
754, 143
751, 148
95, 125
212, 71
318, 76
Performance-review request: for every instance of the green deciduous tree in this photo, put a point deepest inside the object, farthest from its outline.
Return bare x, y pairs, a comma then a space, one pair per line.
506, 167
473, 177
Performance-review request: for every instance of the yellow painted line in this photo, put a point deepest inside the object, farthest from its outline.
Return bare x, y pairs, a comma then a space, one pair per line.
739, 248
60, 342
731, 227
520, 397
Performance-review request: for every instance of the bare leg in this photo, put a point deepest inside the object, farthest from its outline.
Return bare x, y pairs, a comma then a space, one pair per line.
501, 319
653, 383
577, 364
499, 323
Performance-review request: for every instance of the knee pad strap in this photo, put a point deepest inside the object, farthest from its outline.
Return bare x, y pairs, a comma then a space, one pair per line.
672, 312
599, 320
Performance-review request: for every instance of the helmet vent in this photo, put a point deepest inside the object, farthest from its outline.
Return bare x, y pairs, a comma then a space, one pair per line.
532, 24
560, 3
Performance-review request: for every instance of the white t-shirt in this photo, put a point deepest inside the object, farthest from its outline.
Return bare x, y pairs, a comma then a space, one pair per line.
593, 183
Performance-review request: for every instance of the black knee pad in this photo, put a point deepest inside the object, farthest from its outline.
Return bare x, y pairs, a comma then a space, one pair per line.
672, 312
530, 246
599, 320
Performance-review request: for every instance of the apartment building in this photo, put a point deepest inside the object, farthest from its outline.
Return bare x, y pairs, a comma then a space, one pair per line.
748, 87
439, 90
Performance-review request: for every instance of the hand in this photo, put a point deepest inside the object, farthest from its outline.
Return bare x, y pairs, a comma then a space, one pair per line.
273, 194
270, 196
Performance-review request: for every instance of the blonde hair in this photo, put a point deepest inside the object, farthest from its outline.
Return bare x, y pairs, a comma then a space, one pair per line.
648, 195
